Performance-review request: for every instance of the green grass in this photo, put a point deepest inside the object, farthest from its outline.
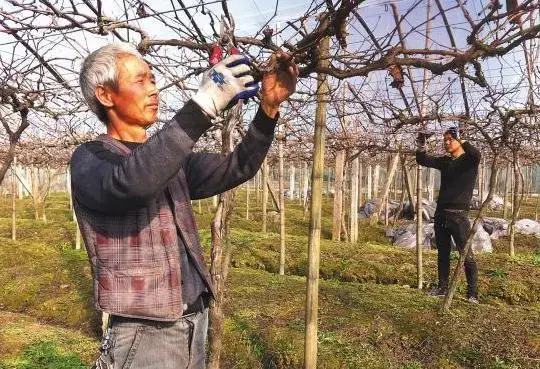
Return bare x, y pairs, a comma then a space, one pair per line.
45, 354
365, 325
369, 317
501, 279
26, 343
48, 281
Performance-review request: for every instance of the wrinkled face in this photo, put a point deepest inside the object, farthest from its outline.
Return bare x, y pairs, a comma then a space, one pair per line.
136, 98
450, 143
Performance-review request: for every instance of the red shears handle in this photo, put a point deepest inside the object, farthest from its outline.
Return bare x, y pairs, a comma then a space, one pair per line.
217, 53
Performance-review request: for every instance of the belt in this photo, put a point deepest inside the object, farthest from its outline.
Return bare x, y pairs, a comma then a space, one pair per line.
201, 303
455, 210
451, 212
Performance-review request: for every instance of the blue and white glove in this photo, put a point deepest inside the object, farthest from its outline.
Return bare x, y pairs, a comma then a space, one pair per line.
224, 84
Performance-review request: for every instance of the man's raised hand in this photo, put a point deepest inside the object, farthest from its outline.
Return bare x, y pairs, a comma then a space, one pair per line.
278, 83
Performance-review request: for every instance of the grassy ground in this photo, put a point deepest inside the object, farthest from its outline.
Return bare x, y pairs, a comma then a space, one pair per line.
366, 325
369, 316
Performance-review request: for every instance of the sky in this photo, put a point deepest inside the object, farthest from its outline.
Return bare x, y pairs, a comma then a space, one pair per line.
251, 15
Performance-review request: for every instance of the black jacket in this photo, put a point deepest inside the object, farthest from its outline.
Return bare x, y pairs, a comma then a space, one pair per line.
458, 176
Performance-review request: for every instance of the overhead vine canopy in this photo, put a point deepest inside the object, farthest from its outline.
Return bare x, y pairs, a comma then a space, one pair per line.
396, 66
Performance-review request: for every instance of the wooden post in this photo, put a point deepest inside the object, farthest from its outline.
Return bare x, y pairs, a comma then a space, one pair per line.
264, 194
419, 226
516, 202
401, 200
344, 198
68, 188
506, 188
376, 173
419, 230
395, 186
247, 200
485, 178
292, 182
77, 233
512, 184
257, 186
529, 177
301, 183
430, 184
369, 183
536, 192
329, 180
360, 183
281, 204
13, 200
354, 201
275, 200
305, 190
312, 300
386, 211
390, 176
20, 186
537, 207
480, 183
221, 249
338, 196
408, 182
496, 190
35, 191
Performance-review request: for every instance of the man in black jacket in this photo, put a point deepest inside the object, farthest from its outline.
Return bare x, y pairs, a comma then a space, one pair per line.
459, 171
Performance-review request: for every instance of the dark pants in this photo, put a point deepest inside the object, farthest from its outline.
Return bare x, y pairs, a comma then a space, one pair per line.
454, 225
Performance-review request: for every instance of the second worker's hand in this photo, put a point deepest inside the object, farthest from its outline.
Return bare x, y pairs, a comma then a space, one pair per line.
421, 139
279, 83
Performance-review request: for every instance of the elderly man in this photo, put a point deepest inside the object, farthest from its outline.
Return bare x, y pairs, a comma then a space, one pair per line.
458, 176
132, 198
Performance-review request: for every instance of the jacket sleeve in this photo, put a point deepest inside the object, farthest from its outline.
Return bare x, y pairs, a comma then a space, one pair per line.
472, 152
209, 174
428, 160
132, 181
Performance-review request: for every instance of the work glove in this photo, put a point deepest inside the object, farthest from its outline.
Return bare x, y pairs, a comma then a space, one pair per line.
422, 138
224, 84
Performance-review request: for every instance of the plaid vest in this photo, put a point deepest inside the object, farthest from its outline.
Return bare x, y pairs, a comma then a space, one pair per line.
135, 256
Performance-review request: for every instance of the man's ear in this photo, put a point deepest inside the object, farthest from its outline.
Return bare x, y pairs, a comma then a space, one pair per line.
103, 94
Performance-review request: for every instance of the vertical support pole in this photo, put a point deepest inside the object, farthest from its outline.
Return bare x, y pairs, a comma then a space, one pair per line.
338, 196
370, 182
354, 201
13, 200
264, 194
292, 182
312, 300
281, 203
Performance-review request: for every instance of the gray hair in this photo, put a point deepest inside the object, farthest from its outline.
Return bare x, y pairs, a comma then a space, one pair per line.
99, 68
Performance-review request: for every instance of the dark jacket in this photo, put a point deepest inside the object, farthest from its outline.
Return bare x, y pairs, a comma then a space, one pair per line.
130, 212
458, 176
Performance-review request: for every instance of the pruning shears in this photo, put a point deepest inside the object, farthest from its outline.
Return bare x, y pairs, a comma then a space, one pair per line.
225, 43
